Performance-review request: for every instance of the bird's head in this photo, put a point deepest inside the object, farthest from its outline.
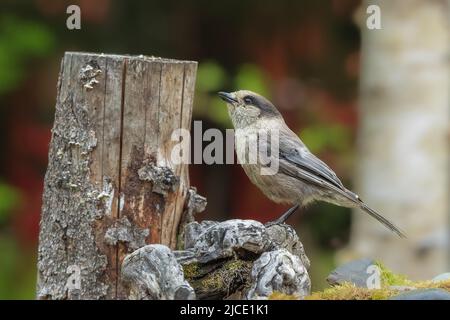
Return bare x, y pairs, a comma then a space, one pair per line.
246, 107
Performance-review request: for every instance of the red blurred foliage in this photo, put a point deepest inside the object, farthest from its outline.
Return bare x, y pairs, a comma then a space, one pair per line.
352, 64
333, 110
344, 7
27, 149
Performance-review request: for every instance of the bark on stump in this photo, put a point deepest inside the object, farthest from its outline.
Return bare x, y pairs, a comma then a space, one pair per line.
110, 186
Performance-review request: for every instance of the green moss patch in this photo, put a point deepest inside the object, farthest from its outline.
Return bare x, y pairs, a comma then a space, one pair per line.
232, 272
390, 286
277, 295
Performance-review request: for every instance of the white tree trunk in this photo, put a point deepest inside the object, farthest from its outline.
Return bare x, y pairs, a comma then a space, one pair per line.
403, 164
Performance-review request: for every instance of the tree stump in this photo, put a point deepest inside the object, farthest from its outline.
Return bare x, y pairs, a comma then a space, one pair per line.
110, 186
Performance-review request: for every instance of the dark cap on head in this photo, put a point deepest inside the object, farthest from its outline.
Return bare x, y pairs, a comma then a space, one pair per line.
248, 98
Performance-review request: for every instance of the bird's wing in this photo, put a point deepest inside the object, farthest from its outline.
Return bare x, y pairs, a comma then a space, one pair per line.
302, 164
311, 167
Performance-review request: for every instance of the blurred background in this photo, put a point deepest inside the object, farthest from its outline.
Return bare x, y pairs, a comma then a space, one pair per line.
373, 104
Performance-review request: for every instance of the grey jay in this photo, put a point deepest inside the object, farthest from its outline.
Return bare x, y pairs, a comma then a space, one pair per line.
301, 177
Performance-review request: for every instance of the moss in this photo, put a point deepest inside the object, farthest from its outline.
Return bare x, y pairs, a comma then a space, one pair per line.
218, 280
430, 284
277, 295
348, 291
389, 278
214, 281
223, 278
191, 270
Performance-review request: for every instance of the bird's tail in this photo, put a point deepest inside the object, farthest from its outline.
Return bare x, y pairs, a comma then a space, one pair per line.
382, 219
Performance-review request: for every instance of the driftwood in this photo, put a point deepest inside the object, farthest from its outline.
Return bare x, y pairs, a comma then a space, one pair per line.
143, 269
231, 259
110, 187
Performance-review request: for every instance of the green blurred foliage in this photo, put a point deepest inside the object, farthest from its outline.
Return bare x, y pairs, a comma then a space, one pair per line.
323, 261
17, 266
20, 40
9, 199
324, 230
330, 136
17, 270
251, 77
212, 78
330, 224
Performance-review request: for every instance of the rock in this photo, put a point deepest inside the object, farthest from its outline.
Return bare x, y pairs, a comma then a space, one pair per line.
153, 273
402, 288
423, 294
355, 272
441, 277
278, 271
277, 258
284, 236
214, 241
193, 230
211, 240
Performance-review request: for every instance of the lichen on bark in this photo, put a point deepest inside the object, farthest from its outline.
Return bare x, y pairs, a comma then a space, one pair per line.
70, 208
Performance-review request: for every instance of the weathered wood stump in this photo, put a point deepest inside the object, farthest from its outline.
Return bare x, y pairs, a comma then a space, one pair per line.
110, 186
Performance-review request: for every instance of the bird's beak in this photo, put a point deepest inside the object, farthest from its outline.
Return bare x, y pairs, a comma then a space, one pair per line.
228, 97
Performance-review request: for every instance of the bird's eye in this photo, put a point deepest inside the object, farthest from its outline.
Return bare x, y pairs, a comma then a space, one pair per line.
248, 100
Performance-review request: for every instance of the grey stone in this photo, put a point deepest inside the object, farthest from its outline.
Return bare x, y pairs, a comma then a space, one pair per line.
442, 277
284, 236
423, 294
280, 271
280, 263
354, 272
153, 273
402, 288
193, 230
214, 241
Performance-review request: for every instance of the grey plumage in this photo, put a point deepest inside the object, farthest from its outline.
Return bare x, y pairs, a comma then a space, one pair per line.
301, 177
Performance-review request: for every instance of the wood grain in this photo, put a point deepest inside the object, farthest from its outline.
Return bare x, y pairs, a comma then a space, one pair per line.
114, 116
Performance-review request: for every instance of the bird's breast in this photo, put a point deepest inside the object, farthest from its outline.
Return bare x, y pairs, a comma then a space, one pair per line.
248, 148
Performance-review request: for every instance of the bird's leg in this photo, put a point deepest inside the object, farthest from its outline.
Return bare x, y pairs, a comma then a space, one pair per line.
283, 217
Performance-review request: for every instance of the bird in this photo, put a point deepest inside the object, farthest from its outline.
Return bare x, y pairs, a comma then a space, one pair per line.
300, 177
